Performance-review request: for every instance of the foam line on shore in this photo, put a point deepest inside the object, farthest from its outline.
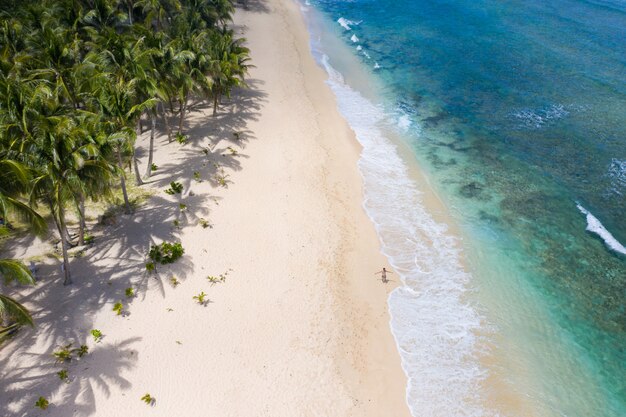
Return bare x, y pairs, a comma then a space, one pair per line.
433, 326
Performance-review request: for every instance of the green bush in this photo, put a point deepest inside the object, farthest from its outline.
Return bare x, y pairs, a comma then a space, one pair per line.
118, 308
175, 188
180, 138
166, 253
154, 167
130, 293
148, 399
42, 403
64, 354
63, 376
200, 298
97, 335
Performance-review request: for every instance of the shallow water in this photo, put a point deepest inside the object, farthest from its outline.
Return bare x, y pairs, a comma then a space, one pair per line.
516, 112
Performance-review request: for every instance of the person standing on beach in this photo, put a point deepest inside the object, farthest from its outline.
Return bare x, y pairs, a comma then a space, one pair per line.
383, 275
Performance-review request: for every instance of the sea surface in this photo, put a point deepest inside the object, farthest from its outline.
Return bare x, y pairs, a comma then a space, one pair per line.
512, 297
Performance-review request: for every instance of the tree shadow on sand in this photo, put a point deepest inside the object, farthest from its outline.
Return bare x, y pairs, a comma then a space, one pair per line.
254, 6
116, 260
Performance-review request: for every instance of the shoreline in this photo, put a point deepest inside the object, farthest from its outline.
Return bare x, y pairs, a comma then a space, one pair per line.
301, 324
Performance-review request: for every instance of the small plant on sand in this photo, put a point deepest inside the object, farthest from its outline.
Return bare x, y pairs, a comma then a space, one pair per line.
232, 151
154, 167
166, 253
180, 138
196, 176
204, 223
175, 188
130, 292
217, 279
88, 239
150, 266
200, 298
182, 206
174, 281
63, 376
222, 179
205, 151
176, 223
42, 403
82, 350
97, 335
148, 399
64, 354
118, 308
237, 136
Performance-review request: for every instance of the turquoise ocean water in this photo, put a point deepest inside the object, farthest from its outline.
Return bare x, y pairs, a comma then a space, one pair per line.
515, 111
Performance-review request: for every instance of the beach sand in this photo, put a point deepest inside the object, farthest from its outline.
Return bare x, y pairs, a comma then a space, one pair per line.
299, 327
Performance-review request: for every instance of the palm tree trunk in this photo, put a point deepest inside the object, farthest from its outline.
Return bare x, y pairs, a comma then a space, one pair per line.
215, 100
123, 181
81, 220
59, 221
167, 123
151, 150
183, 108
138, 180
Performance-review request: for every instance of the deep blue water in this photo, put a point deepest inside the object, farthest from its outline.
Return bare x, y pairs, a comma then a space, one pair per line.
519, 115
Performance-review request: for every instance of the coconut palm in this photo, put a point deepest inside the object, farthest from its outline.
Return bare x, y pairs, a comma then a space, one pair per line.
10, 309
228, 65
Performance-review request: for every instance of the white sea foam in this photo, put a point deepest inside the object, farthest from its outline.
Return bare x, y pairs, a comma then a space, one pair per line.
345, 23
404, 122
594, 226
359, 48
376, 65
354, 39
366, 54
537, 118
617, 174
434, 326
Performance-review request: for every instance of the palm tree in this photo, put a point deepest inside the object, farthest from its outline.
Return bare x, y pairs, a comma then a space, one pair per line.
228, 65
10, 309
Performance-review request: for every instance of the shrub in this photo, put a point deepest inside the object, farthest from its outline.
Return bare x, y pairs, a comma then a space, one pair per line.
200, 298
221, 180
88, 239
180, 138
182, 206
166, 253
63, 376
148, 399
175, 188
220, 278
64, 354
97, 335
196, 176
129, 292
82, 350
154, 167
176, 223
118, 308
233, 151
150, 266
174, 281
204, 223
42, 403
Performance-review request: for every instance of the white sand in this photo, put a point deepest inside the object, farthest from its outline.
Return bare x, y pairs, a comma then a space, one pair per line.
300, 325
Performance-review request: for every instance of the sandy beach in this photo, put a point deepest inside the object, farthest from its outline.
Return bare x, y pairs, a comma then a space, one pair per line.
298, 327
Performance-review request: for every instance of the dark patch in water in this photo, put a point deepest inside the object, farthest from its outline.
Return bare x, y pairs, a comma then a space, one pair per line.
474, 190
